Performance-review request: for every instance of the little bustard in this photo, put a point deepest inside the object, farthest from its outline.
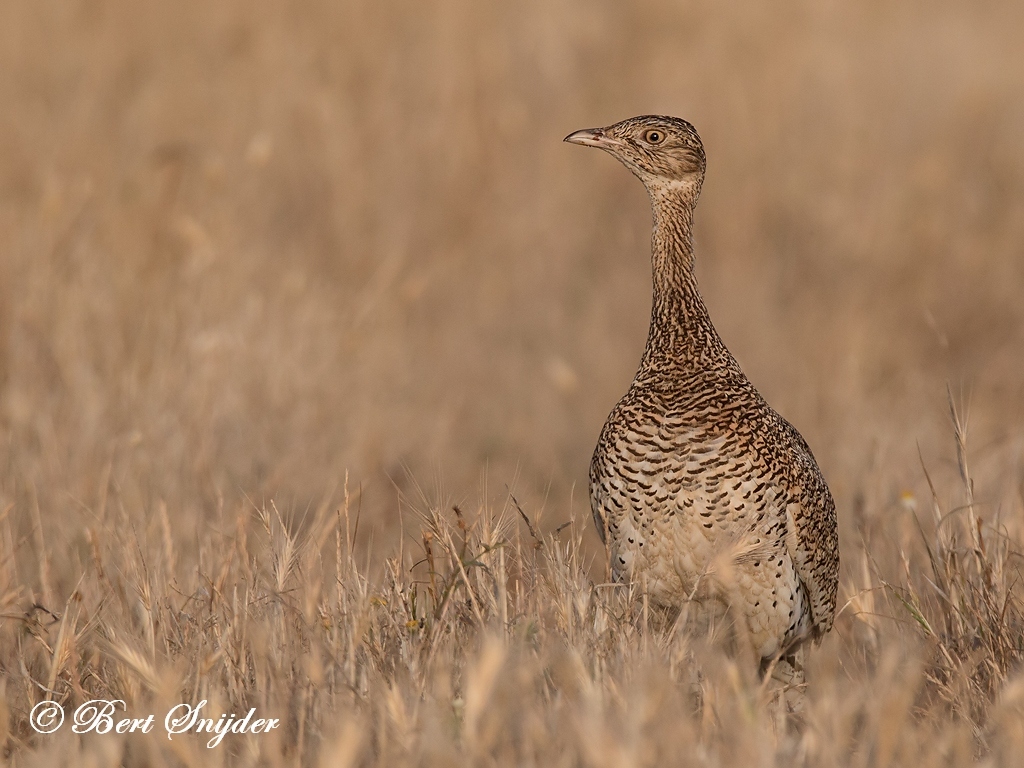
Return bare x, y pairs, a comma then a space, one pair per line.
701, 492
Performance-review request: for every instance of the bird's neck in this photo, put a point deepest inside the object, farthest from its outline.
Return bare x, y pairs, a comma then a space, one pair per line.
681, 332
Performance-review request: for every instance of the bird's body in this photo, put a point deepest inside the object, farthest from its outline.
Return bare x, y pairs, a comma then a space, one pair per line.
703, 493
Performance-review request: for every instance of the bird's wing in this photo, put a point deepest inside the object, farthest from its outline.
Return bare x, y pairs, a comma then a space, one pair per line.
812, 538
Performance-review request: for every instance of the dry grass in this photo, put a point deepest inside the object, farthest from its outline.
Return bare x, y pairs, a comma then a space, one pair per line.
248, 250
489, 643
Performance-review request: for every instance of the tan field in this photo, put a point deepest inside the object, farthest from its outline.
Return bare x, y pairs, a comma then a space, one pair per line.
283, 285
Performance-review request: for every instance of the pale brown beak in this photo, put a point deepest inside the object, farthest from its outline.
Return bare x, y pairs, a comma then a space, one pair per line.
593, 137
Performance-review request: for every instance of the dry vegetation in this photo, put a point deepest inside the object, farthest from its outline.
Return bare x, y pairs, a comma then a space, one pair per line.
249, 250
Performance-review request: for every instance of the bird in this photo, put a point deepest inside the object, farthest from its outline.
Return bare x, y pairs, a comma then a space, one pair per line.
701, 492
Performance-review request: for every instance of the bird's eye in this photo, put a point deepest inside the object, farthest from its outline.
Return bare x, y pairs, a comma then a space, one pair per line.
654, 137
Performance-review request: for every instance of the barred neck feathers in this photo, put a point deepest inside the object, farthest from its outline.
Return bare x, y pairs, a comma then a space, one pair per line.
681, 332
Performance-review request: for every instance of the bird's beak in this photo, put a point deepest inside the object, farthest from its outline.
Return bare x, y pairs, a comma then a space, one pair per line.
593, 137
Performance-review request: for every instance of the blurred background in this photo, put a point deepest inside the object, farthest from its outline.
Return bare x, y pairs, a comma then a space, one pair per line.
249, 247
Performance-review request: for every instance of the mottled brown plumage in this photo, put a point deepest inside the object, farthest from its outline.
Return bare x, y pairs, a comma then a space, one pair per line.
700, 490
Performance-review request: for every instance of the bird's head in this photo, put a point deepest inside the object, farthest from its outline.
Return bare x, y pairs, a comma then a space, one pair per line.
665, 153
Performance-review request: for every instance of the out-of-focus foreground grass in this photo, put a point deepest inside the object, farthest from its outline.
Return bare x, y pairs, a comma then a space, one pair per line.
247, 248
